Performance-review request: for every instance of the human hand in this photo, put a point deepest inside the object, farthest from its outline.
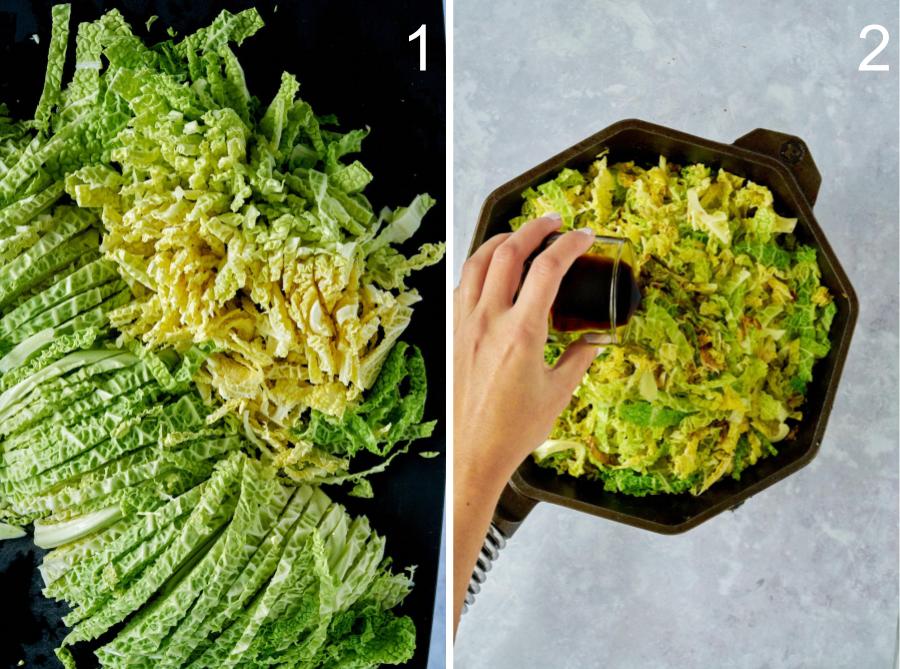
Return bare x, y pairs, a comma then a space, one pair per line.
506, 397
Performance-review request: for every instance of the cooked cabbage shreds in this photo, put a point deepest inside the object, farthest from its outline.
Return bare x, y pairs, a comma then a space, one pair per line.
242, 226
720, 353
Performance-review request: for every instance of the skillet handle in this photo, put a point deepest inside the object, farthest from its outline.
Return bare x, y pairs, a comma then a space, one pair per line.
790, 151
511, 511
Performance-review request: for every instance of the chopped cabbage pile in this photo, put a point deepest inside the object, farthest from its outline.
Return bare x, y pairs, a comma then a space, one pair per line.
720, 353
246, 226
222, 290
162, 526
157, 517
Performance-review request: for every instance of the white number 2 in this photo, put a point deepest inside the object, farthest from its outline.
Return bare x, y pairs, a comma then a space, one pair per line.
866, 65
420, 33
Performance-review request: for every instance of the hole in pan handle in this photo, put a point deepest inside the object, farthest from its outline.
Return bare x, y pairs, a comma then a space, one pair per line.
511, 511
790, 151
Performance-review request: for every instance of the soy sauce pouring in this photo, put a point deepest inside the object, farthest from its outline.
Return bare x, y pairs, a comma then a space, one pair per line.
598, 295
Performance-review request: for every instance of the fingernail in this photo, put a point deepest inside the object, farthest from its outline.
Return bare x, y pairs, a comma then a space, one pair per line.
585, 231
599, 350
553, 216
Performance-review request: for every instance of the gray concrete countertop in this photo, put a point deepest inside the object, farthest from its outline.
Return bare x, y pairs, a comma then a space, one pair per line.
805, 574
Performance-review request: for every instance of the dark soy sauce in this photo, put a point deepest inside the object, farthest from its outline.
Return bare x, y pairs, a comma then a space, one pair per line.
583, 300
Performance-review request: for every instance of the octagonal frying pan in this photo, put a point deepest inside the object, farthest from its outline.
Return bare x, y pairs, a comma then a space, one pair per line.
777, 160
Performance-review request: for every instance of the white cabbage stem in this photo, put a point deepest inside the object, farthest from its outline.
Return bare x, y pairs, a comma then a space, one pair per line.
51, 535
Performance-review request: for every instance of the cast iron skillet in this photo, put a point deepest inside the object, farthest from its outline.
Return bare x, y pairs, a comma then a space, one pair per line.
351, 58
777, 160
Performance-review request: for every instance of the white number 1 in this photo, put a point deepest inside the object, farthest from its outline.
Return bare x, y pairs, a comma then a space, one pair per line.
416, 35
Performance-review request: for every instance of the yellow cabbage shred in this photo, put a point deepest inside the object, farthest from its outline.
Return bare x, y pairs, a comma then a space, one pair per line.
720, 352
284, 268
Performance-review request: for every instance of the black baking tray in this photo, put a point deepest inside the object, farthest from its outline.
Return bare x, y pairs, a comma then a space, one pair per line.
353, 59
777, 160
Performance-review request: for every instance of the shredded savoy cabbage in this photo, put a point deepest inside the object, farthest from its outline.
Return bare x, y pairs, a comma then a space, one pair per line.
185, 355
719, 355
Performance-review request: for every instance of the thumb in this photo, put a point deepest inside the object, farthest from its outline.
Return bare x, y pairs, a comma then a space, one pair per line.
573, 363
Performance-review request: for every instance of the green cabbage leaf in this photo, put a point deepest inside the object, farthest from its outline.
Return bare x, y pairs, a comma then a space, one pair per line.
720, 353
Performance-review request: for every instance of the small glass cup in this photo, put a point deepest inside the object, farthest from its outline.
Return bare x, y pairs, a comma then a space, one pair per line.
598, 295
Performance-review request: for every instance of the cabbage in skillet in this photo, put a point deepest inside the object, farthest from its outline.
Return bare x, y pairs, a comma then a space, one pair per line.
721, 351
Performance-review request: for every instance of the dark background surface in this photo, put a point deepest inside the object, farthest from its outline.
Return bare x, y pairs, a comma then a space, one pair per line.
352, 59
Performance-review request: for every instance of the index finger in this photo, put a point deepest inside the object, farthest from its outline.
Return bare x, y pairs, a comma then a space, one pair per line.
547, 270
505, 272
474, 271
